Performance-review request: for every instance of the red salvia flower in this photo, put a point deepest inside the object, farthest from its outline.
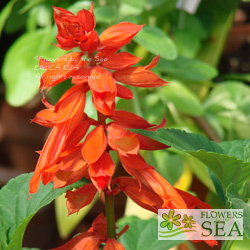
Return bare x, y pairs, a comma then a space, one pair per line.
71, 152
74, 31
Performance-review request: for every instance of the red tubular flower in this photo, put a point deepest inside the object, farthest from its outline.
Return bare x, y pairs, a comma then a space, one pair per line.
80, 197
101, 171
74, 31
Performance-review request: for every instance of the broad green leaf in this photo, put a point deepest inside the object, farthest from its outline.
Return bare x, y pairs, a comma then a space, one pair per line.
21, 71
187, 43
227, 169
238, 149
183, 98
186, 69
157, 42
237, 203
142, 234
165, 162
16, 210
105, 14
229, 104
5, 14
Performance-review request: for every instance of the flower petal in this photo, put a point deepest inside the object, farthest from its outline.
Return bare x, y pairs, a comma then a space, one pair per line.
119, 34
61, 69
101, 171
139, 77
94, 145
80, 197
124, 92
120, 61
113, 244
122, 140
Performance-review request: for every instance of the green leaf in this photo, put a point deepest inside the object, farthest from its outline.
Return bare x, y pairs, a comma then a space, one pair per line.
157, 42
237, 203
187, 43
21, 71
187, 69
163, 159
238, 149
5, 14
227, 169
105, 14
229, 104
142, 234
183, 98
16, 210
235, 76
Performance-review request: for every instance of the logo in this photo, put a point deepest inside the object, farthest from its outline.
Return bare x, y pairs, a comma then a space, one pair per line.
200, 224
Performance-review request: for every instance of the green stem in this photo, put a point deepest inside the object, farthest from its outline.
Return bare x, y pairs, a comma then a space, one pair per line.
110, 215
227, 245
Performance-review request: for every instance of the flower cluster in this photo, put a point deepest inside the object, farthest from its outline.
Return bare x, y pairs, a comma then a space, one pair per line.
71, 152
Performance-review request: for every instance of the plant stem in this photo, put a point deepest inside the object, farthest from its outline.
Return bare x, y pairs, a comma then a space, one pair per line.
227, 245
110, 215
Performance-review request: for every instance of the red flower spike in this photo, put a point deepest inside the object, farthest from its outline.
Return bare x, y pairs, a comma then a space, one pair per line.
119, 34
61, 69
101, 171
74, 31
120, 61
122, 140
80, 198
94, 145
103, 88
138, 77
113, 244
